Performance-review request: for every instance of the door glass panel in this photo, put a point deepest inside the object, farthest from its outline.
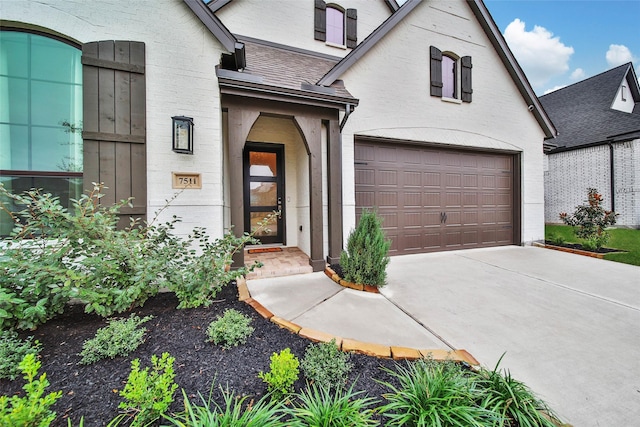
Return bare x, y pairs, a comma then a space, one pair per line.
262, 164
264, 193
270, 230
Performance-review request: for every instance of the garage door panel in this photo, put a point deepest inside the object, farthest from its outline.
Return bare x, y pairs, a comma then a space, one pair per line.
435, 199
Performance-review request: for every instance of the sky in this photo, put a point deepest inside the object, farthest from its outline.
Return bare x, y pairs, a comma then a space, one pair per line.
558, 43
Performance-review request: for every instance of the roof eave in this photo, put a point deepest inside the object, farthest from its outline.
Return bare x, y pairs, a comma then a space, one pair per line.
359, 51
510, 62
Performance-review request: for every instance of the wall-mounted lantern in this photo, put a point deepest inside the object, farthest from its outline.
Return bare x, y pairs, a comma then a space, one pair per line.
182, 134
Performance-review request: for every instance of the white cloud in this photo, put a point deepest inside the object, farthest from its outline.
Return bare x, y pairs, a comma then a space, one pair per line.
618, 54
553, 89
578, 74
541, 55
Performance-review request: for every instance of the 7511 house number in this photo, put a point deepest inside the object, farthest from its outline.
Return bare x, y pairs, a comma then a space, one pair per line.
186, 180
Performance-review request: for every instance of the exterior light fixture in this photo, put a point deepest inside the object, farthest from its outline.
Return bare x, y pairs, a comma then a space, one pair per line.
182, 134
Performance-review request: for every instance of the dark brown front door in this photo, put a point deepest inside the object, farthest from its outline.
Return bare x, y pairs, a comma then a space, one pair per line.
264, 190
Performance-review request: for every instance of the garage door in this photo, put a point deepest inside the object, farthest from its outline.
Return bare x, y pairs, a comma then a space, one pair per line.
434, 199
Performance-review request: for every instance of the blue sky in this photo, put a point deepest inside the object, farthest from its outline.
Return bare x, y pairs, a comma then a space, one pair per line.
558, 43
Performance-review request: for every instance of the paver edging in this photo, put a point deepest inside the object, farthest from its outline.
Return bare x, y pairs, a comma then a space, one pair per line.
573, 251
331, 274
351, 345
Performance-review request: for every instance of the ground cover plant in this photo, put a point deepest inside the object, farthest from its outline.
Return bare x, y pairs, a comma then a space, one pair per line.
230, 330
623, 239
119, 338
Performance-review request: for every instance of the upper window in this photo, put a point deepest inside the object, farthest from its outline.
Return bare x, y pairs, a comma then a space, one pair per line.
335, 25
450, 77
40, 116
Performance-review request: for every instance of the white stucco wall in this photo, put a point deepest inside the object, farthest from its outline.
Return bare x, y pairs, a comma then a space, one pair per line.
392, 82
290, 22
570, 173
181, 56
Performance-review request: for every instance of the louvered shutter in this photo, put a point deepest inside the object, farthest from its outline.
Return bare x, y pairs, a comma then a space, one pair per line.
352, 28
465, 78
436, 71
320, 21
114, 123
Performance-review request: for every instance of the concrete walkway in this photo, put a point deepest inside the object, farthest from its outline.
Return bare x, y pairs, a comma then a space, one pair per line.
568, 323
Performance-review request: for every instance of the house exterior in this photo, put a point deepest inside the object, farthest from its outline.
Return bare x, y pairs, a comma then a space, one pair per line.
315, 109
598, 146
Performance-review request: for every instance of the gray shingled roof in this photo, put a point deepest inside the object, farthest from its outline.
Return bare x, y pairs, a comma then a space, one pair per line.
582, 112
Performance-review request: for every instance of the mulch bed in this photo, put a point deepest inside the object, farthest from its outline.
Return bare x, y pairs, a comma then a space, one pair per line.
91, 391
579, 247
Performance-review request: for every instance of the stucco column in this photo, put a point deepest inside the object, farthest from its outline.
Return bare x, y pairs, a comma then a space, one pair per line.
334, 170
311, 130
240, 123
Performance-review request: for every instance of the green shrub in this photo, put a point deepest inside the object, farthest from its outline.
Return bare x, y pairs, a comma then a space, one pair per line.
556, 239
12, 352
366, 258
119, 338
231, 329
433, 393
148, 394
512, 400
34, 408
237, 412
283, 374
325, 365
320, 406
591, 220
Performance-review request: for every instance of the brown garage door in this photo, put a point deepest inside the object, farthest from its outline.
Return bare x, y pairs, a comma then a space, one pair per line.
435, 199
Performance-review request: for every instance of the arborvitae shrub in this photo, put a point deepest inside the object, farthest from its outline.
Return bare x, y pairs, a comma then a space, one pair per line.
366, 258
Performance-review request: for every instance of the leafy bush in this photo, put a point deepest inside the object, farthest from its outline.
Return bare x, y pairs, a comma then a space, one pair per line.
235, 413
231, 329
148, 394
433, 393
119, 338
590, 221
366, 258
12, 352
325, 365
283, 374
512, 400
55, 254
556, 239
34, 408
318, 406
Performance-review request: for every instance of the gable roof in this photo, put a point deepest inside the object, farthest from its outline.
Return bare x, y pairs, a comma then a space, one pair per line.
583, 115
491, 29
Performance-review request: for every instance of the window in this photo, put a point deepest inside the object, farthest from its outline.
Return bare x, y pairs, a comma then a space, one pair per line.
623, 92
335, 25
40, 117
450, 77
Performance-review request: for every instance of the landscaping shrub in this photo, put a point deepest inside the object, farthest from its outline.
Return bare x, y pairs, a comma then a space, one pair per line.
237, 412
325, 365
590, 221
34, 408
55, 254
230, 330
119, 338
148, 394
366, 258
320, 406
432, 394
12, 352
282, 375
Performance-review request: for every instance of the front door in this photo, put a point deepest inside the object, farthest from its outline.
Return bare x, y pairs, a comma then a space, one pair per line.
264, 190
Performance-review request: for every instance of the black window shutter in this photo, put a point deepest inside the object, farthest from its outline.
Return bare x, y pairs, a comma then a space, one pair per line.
436, 71
320, 21
352, 29
465, 78
114, 123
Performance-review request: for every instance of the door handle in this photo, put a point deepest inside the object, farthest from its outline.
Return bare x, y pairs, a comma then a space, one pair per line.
443, 217
280, 204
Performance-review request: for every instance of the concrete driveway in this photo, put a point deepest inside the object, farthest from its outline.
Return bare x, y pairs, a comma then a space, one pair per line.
568, 323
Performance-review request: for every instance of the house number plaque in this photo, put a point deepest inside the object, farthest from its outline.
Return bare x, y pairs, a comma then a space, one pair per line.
186, 180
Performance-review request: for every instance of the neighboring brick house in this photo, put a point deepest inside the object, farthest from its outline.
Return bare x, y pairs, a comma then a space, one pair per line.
598, 145
318, 109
